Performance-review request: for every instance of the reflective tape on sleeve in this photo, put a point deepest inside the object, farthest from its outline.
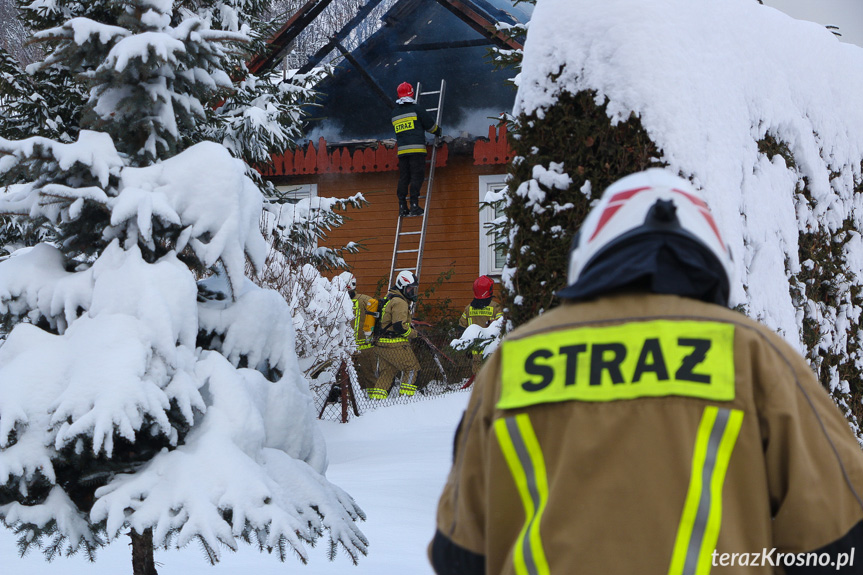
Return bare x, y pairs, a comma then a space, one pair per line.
701, 518
523, 455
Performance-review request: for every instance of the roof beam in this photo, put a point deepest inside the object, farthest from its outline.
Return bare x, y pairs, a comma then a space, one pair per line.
443, 45
480, 23
340, 35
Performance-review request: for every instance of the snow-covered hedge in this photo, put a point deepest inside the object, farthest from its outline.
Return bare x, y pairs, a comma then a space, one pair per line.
759, 110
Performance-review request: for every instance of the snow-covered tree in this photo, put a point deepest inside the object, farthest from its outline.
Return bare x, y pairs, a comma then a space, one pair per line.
133, 399
320, 308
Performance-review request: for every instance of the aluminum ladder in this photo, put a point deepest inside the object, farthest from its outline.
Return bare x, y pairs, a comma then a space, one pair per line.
401, 252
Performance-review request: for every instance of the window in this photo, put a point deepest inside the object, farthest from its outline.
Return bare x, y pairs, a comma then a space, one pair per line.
287, 216
299, 192
491, 260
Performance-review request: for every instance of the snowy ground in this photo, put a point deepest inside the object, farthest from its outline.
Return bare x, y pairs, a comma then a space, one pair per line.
393, 461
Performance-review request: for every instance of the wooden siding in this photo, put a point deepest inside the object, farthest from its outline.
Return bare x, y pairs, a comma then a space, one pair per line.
453, 233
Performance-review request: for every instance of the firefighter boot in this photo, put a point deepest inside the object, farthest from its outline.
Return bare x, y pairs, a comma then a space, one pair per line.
416, 210
403, 208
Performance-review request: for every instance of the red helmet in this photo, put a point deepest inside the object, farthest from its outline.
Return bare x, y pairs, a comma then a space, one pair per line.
405, 90
482, 287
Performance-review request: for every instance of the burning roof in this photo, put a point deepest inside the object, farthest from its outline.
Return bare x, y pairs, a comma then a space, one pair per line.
423, 41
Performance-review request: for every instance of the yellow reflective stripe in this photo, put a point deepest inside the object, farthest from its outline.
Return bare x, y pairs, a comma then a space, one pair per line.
638, 359
412, 149
701, 519
483, 311
392, 339
357, 321
362, 342
523, 455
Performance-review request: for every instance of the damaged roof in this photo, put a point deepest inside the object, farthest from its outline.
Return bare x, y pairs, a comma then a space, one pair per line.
423, 41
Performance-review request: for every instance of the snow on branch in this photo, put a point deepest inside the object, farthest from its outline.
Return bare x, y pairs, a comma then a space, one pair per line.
81, 30
212, 196
275, 499
95, 150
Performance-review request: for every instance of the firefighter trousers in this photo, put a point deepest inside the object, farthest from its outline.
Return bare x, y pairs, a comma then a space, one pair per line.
392, 360
412, 169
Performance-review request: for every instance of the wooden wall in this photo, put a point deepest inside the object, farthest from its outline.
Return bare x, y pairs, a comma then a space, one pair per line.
453, 234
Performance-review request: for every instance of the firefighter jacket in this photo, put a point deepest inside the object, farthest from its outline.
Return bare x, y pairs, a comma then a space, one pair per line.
647, 434
481, 315
410, 123
360, 301
395, 320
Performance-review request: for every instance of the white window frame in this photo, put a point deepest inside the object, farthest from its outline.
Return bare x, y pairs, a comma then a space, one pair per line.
297, 192
486, 215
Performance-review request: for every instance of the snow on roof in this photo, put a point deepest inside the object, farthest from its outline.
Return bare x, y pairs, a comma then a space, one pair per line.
708, 80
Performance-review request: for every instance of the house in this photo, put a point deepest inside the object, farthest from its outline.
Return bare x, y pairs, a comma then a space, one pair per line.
352, 147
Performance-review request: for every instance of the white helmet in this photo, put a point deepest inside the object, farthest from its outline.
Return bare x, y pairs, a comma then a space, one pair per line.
406, 282
653, 201
348, 281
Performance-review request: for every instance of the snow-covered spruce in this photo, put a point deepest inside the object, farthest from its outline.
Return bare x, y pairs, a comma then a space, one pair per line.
133, 399
114, 392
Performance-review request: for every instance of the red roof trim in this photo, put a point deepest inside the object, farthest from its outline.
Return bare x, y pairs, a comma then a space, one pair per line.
340, 160
496, 150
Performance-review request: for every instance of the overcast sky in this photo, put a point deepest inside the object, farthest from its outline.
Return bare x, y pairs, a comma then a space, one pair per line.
847, 14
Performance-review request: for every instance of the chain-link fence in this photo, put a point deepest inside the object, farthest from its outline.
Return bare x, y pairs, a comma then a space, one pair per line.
390, 375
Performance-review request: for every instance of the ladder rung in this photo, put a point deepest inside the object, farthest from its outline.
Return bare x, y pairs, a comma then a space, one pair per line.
427, 93
404, 269
409, 233
407, 251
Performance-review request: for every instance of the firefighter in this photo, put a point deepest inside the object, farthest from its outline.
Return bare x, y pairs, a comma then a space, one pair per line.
364, 358
481, 311
410, 123
393, 348
644, 427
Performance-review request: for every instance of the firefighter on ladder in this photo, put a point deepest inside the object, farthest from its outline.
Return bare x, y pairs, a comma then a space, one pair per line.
644, 427
393, 348
482, 311
410, 123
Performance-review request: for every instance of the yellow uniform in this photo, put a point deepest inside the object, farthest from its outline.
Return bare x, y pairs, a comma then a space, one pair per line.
648, 434
393, 348
482, 315
364, 359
